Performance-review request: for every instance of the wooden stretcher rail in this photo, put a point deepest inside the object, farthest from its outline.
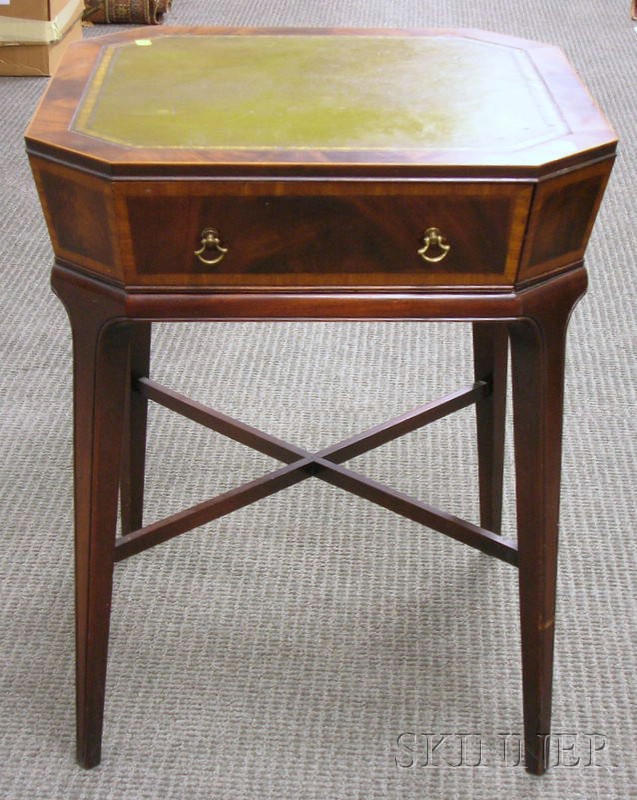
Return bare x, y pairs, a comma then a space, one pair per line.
301, 464
283, 451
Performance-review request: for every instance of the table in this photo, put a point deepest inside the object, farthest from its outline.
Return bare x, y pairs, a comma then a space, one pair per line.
208, 174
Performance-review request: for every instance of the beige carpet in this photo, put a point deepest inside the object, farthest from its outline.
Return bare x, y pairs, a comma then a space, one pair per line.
281, 652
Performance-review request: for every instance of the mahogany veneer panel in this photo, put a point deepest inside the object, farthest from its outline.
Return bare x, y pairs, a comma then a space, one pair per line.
78, 208
298, 234
564, 210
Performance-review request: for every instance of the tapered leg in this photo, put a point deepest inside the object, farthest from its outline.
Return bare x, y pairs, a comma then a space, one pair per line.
100, 357
134, 440
537, 354
99, 388
490, 354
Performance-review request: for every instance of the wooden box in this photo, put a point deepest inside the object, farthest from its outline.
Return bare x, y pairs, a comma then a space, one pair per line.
34, 34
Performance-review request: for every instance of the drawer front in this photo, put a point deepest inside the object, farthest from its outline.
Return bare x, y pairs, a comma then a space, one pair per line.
308, 234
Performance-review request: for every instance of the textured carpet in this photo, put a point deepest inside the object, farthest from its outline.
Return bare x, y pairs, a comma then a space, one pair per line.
282, 651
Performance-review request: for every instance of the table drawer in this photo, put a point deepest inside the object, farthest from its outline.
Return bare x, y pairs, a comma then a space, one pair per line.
340, 233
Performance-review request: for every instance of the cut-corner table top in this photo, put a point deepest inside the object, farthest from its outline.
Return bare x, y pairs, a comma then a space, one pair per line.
328, 98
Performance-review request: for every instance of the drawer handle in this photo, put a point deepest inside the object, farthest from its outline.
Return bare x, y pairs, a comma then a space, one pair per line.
210, 241
433, 238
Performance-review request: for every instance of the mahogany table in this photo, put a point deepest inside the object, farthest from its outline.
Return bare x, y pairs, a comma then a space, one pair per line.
206, 174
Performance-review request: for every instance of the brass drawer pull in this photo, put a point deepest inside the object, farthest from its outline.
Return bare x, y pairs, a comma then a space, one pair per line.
210, 241
433, 238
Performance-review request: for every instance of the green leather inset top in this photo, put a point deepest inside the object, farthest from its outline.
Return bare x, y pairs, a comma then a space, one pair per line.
317, 91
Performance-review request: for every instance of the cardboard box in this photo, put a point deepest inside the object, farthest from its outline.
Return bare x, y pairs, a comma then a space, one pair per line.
35, 33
